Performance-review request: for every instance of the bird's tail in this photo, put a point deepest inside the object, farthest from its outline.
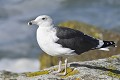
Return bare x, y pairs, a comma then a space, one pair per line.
104, 45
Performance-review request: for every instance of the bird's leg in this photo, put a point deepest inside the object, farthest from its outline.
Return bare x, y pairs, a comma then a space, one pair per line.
62, 74
65, 67
59, 66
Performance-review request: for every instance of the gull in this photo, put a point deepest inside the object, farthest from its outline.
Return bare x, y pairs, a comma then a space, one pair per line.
62, 41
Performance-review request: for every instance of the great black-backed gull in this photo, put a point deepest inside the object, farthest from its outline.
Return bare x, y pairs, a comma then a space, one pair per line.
61, 41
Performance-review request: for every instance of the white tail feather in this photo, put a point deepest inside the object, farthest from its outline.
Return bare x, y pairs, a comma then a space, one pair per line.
104, 49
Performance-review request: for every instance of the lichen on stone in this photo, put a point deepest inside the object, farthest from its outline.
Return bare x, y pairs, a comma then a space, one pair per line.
38, 73
70, 72
112, 72
114, 75
112, 58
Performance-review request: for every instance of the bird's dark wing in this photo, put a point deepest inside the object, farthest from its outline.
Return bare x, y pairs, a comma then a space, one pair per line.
75, 40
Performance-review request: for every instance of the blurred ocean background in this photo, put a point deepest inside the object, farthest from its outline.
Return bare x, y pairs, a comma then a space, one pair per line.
19, 50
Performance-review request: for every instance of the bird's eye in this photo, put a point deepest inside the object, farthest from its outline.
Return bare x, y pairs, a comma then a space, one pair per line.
43, 18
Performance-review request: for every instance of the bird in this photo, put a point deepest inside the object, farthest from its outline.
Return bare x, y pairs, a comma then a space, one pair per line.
62, 41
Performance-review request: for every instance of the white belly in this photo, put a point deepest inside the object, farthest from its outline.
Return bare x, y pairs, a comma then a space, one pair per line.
46, 40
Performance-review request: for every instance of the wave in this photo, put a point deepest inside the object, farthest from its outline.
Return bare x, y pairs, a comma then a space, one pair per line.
19, 65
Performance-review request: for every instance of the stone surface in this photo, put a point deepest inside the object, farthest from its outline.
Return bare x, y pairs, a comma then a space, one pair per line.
102, 69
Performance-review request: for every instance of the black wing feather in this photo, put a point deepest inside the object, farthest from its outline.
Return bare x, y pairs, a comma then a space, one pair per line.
75, 40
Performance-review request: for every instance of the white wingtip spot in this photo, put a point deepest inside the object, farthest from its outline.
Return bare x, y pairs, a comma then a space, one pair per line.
115, 46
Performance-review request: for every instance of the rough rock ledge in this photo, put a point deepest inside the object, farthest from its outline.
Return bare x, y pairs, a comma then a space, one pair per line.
101, 69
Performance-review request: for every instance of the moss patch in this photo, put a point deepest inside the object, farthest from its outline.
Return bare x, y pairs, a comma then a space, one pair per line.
77, 79
70, 72
114, 57
110, 59
33, 74
112, 74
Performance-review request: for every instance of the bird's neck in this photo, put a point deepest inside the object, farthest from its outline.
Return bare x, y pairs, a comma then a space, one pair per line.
45, 28
43, 33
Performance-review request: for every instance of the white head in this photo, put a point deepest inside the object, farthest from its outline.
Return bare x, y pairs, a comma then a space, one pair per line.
42, 21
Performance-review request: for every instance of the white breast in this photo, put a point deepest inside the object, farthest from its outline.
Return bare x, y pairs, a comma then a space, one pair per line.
46, 38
